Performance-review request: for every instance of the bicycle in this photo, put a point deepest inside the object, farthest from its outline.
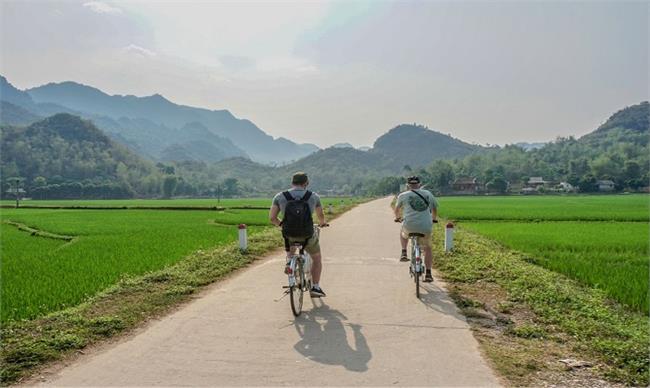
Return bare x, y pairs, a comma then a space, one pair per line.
416, 266
298, 270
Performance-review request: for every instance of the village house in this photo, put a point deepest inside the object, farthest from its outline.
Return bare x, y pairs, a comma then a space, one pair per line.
605, 185
465, 186
536, 181
566, 187
528, 191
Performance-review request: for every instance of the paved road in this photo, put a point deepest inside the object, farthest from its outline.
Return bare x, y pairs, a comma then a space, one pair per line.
369, 330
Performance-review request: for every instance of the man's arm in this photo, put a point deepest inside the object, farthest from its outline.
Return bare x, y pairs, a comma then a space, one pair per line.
273, 215
398, 210
320, 215
434, 209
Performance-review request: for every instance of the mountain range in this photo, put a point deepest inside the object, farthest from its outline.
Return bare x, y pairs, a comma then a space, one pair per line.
160, 130
61, 134
154, 126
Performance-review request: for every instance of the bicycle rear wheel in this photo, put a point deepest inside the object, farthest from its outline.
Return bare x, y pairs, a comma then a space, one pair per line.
297, 291
417, 283
417, 269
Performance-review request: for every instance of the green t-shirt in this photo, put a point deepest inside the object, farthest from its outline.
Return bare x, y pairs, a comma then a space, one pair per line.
417, 215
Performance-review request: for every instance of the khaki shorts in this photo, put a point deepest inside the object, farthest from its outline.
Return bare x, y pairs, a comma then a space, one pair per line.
423, 241
313, 245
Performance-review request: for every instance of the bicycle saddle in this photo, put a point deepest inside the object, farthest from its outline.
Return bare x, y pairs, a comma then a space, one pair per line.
416, 235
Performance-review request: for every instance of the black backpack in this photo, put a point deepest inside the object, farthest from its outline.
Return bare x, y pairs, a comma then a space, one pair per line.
297, 221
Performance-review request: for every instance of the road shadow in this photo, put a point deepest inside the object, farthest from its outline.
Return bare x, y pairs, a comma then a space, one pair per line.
436, 299
323, 339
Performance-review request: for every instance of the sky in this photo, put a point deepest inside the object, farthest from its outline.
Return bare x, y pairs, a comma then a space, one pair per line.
325, 72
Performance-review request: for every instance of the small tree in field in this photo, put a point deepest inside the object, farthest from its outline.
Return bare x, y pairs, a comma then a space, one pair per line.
169, 186
498, 185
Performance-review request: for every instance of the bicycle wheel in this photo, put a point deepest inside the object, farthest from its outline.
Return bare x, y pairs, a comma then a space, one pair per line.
298, 290
417, 284
417, 267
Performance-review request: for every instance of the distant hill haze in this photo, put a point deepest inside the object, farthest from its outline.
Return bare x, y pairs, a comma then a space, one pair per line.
161, 130
65, 156
146, 124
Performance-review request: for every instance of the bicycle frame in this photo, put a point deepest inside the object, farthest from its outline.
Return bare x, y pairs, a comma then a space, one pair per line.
305, 259
416, 267
298, 271
416, 256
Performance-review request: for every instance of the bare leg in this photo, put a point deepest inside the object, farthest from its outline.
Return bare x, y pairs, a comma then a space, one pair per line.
428, 257
403, 241
316, 267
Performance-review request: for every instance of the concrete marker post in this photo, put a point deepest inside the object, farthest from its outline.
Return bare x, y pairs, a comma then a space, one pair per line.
449, 237
243, 237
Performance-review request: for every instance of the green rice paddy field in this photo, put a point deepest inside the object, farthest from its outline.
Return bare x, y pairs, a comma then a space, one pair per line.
601, 241
632, 207
45, 274
207, 202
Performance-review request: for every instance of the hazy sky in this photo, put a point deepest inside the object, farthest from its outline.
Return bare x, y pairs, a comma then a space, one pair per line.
347, 71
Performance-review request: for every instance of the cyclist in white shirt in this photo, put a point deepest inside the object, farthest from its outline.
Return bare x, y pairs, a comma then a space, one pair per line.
418, 209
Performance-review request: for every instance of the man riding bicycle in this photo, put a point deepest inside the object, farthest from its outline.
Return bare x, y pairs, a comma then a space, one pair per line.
297, 205
420, 210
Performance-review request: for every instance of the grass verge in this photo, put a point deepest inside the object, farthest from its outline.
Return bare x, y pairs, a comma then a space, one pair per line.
528, 318
31, 344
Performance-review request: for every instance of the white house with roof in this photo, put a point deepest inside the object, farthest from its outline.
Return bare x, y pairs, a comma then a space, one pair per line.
606, 185
536, 181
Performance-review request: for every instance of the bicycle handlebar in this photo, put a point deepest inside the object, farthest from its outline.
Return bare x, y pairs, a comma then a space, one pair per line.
316, 225
401, 219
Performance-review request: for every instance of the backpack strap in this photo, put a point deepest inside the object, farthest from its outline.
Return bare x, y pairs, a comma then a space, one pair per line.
288, 196
421, 196
306, 196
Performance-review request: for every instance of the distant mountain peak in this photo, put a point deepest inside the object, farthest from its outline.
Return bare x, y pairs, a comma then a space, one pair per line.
157, 97
417, 146
342, 145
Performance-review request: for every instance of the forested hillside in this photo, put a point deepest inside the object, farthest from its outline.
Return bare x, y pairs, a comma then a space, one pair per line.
618, 150
64, 156
417, 146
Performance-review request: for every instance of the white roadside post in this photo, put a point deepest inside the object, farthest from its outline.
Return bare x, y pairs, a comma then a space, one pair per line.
329, 209
243, 237
449, 237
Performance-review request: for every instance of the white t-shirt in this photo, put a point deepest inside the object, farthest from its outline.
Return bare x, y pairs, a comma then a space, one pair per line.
417, 214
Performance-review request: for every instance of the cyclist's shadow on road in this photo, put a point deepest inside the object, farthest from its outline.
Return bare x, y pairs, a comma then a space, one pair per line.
324, 339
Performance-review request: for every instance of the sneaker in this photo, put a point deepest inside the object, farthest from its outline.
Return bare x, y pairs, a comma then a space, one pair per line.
403, 257
316, 292
428, 278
